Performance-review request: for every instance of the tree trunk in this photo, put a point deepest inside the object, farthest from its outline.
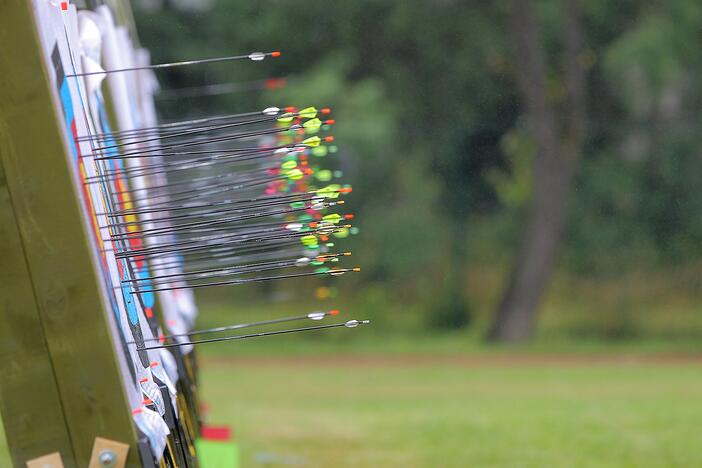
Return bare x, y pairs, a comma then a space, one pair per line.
553, 169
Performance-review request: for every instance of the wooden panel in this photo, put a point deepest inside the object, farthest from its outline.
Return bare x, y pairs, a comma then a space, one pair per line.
28, 390
58, 258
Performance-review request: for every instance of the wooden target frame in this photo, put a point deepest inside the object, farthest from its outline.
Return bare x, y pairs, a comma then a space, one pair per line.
97, 361
68, 391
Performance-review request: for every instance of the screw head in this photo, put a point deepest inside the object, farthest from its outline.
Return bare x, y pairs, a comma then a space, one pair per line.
107, 458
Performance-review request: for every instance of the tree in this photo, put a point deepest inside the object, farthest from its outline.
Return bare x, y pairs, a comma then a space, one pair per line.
558, 132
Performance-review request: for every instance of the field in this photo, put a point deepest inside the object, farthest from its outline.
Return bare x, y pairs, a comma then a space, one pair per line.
427, 411
388, 396
479, 409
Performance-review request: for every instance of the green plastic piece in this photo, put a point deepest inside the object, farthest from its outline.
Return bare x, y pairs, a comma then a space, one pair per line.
217, 454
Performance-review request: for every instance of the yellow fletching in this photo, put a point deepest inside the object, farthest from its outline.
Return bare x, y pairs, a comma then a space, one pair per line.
308, 112
312, 141
312, 125
295, 174
287, 117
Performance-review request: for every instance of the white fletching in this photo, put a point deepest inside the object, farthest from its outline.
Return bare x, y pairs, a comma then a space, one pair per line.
355, 323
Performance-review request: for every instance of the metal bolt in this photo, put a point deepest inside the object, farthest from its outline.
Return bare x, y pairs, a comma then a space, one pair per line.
107, 458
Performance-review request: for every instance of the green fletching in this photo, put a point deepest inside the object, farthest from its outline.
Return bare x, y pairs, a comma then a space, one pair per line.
329, 191
309, 239
333, 218
312, 125
324, 175
341, 233
312, 141
297, 204
320, 151
321, 270
323, 192
287, 165
294, 174
316, 263
308, 113
285, 118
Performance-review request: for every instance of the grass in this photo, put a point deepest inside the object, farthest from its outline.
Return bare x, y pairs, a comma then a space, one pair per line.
480, 408
447, 413
613, 379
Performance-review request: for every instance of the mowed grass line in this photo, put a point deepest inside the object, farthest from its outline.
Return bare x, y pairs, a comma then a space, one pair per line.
337, 414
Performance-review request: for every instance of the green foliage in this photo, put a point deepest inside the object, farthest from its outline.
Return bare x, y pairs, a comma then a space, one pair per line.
513, 187
428, 122
450, 310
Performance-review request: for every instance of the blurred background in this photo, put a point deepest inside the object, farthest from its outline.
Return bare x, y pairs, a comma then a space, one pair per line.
527, 188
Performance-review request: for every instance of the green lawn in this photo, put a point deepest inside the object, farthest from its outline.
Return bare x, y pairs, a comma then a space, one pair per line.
478, 409
447, 412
